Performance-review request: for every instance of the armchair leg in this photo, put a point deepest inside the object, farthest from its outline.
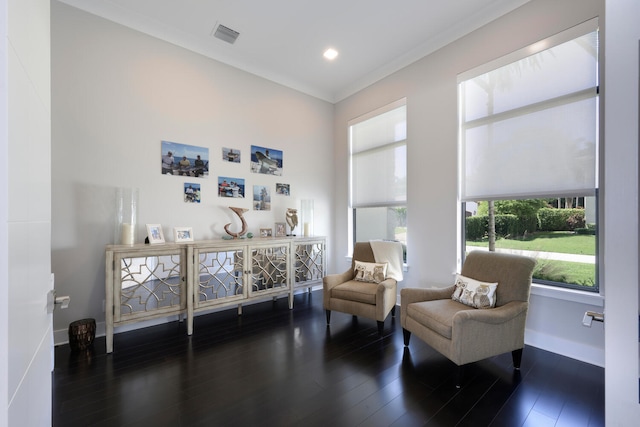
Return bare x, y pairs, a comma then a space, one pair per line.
393, 311
407, 336
328, 312
380, 327
458, 375
516, 355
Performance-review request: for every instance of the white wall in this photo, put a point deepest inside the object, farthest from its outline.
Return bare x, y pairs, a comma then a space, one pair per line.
622, 85
4, 195
25, 246
430, 88
116, 94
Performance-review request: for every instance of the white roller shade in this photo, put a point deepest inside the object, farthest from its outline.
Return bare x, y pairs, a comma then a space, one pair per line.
530, 128
378, 158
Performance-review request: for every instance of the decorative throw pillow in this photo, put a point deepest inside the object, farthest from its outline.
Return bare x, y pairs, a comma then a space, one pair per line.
474, 293
370, 272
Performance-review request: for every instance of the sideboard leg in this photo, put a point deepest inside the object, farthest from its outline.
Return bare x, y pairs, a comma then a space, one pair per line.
109, 336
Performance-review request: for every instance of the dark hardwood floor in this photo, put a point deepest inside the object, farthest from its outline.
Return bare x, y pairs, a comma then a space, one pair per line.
278, 367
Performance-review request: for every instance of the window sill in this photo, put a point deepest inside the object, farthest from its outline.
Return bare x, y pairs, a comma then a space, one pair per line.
567, 294
405, 266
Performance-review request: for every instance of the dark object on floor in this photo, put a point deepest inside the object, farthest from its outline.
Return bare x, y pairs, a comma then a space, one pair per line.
81, 334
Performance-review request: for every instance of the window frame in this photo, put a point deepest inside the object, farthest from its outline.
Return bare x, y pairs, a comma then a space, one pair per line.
352, 225
545, 287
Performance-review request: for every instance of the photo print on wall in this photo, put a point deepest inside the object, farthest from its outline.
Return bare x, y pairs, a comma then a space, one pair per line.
266, 160
191, 192
230, 155
261, 198
184, 160
230, 187
282, 189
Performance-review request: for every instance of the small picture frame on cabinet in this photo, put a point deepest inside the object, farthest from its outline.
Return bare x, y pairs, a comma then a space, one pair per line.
266, 232
281, 229
183, 234
155, 234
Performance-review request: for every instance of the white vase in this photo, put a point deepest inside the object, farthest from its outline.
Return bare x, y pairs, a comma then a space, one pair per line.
306, 217
126, 221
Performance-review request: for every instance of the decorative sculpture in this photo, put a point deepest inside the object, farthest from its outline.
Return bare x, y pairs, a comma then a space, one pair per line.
292, 219
239, 212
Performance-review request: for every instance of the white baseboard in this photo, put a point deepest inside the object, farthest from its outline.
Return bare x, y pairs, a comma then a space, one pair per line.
61, 336
572, 349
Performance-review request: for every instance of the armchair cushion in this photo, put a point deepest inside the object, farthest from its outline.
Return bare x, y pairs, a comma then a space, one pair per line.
370, 271
358, 291
474, 293
436, 314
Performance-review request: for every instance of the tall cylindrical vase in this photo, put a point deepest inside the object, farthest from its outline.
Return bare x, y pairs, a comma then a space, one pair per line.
306, 217
126, 216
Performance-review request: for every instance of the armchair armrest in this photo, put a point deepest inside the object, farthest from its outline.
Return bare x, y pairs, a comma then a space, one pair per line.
387, 283
386, 296
493, 316
480, 333
411, 295
331, 280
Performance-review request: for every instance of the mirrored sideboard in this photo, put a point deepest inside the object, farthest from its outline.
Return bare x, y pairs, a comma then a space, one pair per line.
144, 282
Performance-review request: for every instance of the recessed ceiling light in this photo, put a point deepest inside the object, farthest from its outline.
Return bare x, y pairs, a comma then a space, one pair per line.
330, 54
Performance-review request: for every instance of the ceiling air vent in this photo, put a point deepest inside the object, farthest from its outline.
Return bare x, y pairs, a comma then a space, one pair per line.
226, 34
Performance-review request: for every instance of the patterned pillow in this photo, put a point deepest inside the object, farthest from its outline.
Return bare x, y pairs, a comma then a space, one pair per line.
474, 293
370, 272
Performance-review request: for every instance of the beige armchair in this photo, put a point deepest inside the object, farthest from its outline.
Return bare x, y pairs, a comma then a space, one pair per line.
465, 334
341, 292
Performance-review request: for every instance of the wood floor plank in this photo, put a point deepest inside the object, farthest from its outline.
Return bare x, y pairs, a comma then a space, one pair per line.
278, 367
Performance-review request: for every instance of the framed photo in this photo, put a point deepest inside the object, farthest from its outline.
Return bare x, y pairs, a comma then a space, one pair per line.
281, 229
230, 155
155, 234
186, 160
282, 189
230, 187
191, 192
183, 234
266, 160
261, 198
266, 232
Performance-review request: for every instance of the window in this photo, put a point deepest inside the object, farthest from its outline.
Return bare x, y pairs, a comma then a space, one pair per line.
378, 174
528, 156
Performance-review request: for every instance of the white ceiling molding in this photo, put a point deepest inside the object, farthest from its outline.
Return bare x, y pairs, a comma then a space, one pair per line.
283, 41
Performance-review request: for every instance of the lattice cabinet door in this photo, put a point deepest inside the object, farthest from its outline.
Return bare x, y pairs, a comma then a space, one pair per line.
269, 268
309, 262
149, 285
143, 282
220, 275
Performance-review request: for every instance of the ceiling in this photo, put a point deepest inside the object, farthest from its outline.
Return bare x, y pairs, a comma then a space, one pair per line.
283, 40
